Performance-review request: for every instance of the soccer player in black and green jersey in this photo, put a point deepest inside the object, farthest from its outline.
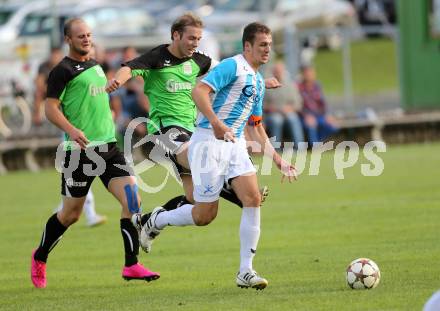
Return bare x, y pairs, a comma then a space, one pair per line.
77, 86
170, 72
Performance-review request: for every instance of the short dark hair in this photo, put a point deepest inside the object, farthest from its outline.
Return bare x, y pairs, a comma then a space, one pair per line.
251, 30
68, 25
306, 65
187, 19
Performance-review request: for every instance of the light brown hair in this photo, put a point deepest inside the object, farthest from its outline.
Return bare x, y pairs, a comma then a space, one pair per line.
187, 19
68, 25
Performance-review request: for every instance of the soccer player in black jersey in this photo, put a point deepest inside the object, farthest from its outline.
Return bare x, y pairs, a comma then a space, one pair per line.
78, 104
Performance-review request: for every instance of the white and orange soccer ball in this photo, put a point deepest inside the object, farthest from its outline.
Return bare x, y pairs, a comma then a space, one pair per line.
363, 273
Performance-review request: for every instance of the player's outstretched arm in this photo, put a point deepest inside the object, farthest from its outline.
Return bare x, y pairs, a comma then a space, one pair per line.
121, 76
201, 98
257, 134
54, 115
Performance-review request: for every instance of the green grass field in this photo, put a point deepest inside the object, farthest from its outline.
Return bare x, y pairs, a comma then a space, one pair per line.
311, 230
374, 68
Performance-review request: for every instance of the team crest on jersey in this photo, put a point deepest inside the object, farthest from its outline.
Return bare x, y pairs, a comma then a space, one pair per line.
248, 90
187, 68
99, 71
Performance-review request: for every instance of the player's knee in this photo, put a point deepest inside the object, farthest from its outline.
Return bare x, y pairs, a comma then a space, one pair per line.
204, 220
75, 217
204, 217
68, 218
252, 199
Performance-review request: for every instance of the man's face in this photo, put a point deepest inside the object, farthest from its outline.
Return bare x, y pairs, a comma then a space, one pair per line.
188, 41
129, 54
80, 39
260, 49
278, 71
309, 74
56, 56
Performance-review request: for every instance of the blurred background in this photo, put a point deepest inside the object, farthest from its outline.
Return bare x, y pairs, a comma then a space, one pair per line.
376, 62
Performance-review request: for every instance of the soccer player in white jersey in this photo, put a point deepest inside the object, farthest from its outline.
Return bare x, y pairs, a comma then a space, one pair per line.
217, 151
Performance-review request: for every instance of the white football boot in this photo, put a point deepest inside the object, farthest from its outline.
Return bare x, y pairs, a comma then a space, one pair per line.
136, 221
149, 231
250, 278
264, 191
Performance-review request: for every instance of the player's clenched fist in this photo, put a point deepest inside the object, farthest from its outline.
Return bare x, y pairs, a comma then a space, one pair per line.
112, 85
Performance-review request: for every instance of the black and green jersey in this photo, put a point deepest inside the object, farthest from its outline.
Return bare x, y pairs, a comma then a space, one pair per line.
80, 86
168, 82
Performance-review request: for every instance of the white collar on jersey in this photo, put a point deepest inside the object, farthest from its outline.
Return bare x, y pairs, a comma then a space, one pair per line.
243, 66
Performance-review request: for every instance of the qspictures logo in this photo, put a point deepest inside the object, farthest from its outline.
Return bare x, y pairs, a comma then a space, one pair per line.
165, 146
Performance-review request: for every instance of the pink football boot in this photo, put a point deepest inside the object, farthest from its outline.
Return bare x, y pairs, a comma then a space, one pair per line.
38, 272
139, 272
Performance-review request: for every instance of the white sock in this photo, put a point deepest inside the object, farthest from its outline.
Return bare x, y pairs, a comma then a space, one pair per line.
249, 236
89, 207
181, 216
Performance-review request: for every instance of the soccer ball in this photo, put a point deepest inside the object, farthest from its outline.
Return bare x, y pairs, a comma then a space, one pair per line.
363, 273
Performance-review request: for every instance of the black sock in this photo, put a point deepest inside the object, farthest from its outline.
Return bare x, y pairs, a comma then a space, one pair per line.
229, 194
174, 203
131, 242
184, 201
53, 232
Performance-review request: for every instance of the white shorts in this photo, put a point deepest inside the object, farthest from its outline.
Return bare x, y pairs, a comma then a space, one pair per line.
214, 162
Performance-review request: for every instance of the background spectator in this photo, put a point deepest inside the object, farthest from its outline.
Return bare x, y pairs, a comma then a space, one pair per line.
318, 124
128, 103
128, 53
56, 55
282, 107
99, 54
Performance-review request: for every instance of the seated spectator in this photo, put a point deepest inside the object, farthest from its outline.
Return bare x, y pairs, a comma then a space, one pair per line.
128, 53
99, 54
318, 124
56, 55
282, 107
128, 103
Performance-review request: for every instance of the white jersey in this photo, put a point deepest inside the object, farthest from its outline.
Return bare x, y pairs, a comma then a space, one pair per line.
239, 94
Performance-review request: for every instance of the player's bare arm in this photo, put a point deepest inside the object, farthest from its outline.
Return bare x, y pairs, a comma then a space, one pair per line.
258, 134
54, 115
202, 100
121, 76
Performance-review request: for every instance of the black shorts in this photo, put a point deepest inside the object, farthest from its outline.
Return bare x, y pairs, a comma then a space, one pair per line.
167, 141
80, 168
